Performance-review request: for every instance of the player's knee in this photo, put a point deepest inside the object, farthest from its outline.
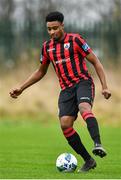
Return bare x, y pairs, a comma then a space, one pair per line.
66, 122
84, 107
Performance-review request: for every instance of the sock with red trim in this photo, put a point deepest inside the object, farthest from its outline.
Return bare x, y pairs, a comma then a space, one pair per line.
75, 142
92, 126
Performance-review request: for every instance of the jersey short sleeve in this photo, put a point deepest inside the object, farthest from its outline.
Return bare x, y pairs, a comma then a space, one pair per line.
43, 56
82, 46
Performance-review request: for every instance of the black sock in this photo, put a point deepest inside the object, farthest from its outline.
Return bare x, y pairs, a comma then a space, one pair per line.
92, 126
75, 142
93, 129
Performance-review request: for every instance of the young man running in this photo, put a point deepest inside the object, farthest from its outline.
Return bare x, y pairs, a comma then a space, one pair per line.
67, 52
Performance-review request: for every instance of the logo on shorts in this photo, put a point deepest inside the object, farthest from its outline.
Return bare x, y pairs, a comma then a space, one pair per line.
85, 98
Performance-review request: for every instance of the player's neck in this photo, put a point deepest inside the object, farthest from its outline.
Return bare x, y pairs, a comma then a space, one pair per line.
62, 37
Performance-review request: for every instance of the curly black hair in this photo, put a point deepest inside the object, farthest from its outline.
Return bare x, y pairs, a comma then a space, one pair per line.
55, 16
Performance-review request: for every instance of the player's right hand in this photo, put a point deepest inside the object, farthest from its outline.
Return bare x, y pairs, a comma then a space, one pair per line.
14, 93
106, 93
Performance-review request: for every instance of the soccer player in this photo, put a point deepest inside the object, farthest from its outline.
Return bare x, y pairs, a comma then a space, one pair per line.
67, 52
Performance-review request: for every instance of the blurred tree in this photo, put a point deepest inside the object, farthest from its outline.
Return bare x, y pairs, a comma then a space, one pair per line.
34, 20
29, 21
44, 8
117, 10
112, 34
6, 25
22, 23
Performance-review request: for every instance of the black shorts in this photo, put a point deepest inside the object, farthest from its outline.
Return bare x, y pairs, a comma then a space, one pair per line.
70, 98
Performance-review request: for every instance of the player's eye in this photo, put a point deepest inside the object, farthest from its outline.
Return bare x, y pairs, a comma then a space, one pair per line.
52, 28
55, 27
49, 29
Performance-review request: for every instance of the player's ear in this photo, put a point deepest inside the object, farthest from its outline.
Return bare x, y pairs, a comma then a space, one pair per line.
62, 25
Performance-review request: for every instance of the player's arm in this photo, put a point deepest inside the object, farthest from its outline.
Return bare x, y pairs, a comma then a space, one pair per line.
93, 59
32, 79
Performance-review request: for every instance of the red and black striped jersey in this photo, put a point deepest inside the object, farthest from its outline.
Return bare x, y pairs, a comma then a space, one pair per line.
68, 58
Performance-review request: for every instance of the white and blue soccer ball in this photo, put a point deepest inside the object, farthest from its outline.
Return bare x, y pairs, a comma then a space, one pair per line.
66, 162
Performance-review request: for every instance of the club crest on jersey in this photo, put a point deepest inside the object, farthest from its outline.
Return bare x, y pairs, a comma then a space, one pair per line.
67, 45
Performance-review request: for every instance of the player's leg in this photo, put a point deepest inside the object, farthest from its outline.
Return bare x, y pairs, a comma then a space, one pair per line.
72, 136
68, 110
93, 128
85, 95
75, 142
92, 124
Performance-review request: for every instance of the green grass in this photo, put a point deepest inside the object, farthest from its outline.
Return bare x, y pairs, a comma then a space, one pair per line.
29, 150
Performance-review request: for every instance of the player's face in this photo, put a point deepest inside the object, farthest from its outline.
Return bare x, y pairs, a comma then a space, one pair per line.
55, 30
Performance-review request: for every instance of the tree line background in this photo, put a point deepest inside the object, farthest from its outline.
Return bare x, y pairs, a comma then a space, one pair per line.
23, 28
22, 32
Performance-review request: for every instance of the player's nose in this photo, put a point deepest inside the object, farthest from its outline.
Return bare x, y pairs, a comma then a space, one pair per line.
52, 32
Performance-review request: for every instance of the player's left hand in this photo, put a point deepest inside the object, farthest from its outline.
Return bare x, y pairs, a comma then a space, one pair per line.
106, 93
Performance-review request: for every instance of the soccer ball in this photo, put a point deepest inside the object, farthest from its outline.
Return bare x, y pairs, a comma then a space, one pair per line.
66, 162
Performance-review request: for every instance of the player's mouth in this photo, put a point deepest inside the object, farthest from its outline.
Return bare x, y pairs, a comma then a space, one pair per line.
55, 37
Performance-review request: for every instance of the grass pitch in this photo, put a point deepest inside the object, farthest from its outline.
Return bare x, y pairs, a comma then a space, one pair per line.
29, 150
